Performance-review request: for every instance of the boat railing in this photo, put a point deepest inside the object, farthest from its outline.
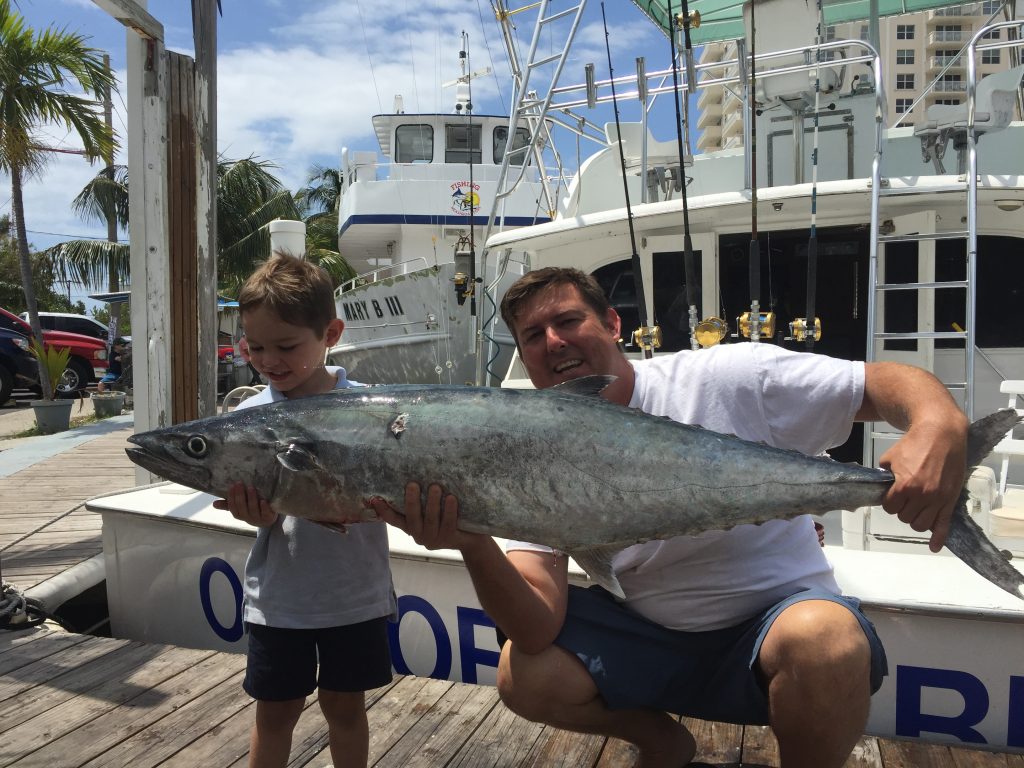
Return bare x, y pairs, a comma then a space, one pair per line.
382, 273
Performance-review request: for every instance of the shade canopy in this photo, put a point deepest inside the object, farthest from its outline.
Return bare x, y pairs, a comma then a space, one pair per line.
723, 19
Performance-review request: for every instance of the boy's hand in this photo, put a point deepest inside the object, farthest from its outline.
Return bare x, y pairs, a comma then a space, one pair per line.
245, 504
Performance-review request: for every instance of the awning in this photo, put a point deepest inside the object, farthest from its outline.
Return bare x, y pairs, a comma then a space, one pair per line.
723, 19
119, 297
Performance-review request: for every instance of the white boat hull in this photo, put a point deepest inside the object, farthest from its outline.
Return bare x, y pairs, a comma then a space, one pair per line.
410, 329
955, 643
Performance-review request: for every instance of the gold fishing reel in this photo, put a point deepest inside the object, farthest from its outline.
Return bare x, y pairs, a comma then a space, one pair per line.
647, 337
710, 331
766, 324
693, 21
798, 330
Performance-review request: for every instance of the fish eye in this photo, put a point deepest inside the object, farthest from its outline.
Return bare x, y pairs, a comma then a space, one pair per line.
196, 446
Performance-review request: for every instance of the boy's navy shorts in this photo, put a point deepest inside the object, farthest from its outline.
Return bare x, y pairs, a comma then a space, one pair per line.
636, 663
286, 664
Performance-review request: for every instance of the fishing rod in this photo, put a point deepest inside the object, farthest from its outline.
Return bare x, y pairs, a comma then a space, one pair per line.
808, 328
645, 336
755, 254
688, 260
471, 290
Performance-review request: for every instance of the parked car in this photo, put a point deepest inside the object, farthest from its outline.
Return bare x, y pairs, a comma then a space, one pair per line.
71, 323
88, 361
18, 365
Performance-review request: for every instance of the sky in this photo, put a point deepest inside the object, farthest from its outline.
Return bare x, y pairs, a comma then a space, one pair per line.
297, 82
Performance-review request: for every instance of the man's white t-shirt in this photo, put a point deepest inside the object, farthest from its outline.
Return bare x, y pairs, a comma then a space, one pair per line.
759, 392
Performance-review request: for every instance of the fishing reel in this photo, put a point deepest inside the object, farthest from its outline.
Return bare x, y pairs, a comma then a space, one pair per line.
798, 330
710, 331
766, 324
462, 280
647, 337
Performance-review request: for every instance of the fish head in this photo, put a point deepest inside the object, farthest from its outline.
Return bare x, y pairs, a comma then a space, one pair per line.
212, 454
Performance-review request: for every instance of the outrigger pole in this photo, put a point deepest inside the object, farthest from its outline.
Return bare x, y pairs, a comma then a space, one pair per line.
688, 262
645, 336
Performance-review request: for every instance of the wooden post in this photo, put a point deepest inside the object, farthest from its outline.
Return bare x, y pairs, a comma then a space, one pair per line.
204, 32
183, 264
147, 163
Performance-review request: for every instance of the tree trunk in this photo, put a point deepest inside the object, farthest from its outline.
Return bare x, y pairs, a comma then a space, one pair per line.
25, 260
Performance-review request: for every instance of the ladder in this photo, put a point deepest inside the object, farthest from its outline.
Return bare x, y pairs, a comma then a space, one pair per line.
967, 180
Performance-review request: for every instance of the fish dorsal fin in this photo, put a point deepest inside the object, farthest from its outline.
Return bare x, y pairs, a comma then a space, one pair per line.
597, 562
585, 386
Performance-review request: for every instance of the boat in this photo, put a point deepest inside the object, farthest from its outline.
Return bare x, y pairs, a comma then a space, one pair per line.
410, 226
891, 226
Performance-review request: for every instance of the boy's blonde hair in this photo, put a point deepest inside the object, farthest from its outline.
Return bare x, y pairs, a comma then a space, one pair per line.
299, 292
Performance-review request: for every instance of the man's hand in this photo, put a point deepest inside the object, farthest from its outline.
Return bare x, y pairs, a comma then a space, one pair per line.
431, 521
929, 463
245, 504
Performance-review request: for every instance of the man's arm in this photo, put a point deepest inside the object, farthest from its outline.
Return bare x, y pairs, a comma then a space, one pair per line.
525, 593
929, 461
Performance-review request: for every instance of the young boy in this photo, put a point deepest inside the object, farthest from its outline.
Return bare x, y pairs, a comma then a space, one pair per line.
313, 597
114, 366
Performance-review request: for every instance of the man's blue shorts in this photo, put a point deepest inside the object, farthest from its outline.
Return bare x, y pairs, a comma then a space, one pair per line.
636, 663
285, 664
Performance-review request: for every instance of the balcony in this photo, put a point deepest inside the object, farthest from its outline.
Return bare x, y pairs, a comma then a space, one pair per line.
956, 11
732, 124
710, 98
937, 64
950, 86
945, 36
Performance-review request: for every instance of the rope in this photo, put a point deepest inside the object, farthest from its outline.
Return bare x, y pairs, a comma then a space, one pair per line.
20, 612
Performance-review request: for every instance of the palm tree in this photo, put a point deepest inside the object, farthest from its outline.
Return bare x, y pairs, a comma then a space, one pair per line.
35, 70
89, 262
249, 197
318, 204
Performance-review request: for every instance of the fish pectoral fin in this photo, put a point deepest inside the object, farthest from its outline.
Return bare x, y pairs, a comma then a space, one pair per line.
298, 459
597, 562
586, 386
331, 526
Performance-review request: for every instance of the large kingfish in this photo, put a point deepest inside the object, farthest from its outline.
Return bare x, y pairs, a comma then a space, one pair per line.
561, 467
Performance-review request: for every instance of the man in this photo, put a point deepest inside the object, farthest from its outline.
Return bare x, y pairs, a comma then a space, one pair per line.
743, 625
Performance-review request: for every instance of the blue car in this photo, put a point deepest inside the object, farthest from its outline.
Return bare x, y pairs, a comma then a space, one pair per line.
18, 366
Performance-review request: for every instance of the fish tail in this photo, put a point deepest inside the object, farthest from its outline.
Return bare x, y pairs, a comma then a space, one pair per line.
966, 539
983, 434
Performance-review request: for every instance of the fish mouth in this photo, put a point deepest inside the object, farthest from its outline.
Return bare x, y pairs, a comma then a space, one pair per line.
155, 459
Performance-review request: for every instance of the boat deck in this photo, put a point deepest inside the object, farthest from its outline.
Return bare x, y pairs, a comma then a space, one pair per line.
75, 700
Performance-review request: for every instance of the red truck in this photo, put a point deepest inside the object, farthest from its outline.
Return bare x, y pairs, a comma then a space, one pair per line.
88, 361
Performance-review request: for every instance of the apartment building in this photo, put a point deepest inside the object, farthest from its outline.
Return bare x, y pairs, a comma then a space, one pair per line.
918, 50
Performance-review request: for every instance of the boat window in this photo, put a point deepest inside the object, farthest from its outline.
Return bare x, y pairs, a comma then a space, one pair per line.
670, 309
414, 144
501, 139
457, 147
997, 258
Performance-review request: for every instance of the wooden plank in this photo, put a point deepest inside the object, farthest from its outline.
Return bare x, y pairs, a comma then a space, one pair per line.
617, 754
912, 754
147, 668
18, 650
759, 746
563, 748
175, 733
107, 730
865, 754
503, 739
437, 736
717, 743
19, 690
391, 717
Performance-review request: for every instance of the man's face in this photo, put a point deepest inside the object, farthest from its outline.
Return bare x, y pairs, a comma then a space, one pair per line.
561, 337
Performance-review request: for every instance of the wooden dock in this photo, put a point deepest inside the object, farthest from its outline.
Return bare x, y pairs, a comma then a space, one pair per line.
75, 700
